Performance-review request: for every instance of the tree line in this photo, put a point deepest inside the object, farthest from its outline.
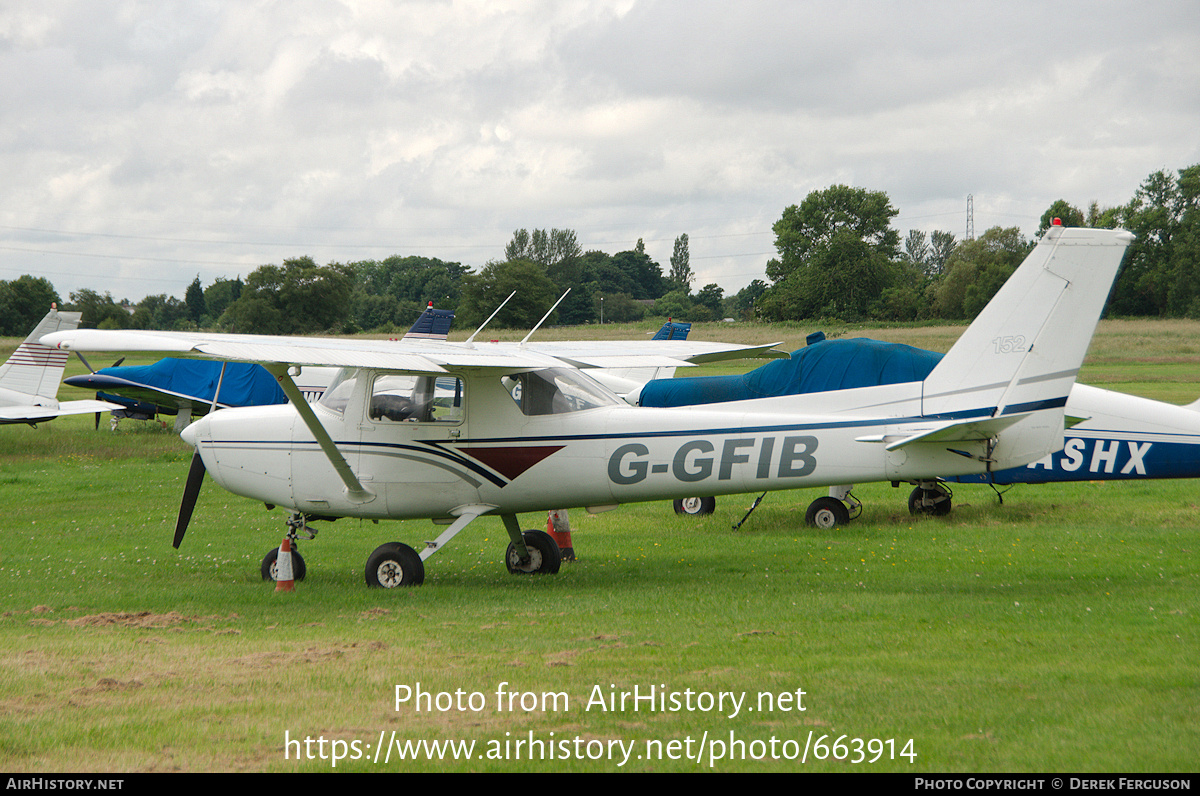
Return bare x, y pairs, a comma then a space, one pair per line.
838, 258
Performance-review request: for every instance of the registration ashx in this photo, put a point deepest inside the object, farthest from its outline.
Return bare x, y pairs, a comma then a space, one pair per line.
453, 431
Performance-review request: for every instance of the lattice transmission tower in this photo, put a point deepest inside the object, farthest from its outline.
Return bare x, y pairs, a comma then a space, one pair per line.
970, 217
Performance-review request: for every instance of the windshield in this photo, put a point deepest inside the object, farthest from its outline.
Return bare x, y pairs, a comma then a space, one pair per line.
556, 391
338, 392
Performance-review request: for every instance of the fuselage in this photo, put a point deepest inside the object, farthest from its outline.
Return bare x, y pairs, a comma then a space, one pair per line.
424, 446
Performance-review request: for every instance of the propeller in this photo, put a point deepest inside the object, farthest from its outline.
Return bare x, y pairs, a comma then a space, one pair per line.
190, 491
92, 370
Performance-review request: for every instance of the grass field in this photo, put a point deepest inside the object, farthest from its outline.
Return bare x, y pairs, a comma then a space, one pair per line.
1058, 631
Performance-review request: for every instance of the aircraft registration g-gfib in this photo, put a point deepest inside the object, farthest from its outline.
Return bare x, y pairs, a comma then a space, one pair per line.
454, 431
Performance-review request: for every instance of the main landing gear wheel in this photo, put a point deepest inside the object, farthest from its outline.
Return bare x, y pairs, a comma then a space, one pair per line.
393, 565
696, 506
544, 555
826, 513
270, 563
930, 502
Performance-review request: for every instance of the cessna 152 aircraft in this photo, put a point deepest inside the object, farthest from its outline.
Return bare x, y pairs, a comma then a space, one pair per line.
29, 379
521, 428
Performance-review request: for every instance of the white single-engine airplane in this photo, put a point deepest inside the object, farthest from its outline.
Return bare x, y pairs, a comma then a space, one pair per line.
453, 431
29, 379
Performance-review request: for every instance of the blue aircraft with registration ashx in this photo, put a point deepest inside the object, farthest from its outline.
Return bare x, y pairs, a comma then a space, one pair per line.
453, 431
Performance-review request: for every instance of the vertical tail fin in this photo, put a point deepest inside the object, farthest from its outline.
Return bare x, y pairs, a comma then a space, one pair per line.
1024, 349
672, 330
1017, 362
432, 325
35, 369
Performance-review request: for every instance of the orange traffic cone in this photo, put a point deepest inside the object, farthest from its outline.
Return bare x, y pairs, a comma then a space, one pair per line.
559, 527
283, 567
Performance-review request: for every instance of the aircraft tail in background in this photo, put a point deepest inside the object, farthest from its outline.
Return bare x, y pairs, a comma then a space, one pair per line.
29, 379
432, 325
35, 369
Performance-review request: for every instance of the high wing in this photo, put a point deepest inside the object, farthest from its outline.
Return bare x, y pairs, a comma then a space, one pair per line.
189, 387
414, 356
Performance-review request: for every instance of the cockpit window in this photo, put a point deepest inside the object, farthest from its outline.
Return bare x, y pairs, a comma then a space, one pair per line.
556, 391
416, 399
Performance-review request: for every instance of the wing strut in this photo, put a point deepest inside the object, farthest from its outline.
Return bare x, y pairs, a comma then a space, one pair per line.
354, 488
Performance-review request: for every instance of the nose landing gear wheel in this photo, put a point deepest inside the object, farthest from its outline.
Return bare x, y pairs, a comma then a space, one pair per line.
393, 565
270, 564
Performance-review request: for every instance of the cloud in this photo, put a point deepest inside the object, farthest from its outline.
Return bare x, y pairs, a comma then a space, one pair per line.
155, 140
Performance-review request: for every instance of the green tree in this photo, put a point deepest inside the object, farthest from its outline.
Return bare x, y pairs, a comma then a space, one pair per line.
194, 299
482, 293
299, 297
976, 270
916, 249
159, 312
556, 251
645, 274
836, 252
681, 270
941, 246
1154, 278
98, 310
745, 303
23, 302
711, 296
220, 294
1068, 214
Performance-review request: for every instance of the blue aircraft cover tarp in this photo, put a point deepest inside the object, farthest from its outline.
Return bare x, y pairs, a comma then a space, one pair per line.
243, 385
820, 367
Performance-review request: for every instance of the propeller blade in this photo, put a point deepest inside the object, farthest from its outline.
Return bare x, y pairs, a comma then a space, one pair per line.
117, 364
86, 364
97, 421
190, 491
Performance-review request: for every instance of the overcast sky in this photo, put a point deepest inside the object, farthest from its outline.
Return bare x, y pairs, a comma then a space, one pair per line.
144, 143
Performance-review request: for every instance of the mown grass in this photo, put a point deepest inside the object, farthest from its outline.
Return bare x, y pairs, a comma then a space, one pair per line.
1055, 632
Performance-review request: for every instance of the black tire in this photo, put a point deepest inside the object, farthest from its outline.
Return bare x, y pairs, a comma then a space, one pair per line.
270, 559
696, 506
918, 502
544, 555
393, 565
826, 513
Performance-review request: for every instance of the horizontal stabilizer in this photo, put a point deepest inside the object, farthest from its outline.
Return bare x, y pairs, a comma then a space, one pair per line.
973, 430
21, 414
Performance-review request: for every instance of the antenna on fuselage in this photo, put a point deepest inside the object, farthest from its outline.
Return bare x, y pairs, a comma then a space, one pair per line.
544, 317
489, 320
